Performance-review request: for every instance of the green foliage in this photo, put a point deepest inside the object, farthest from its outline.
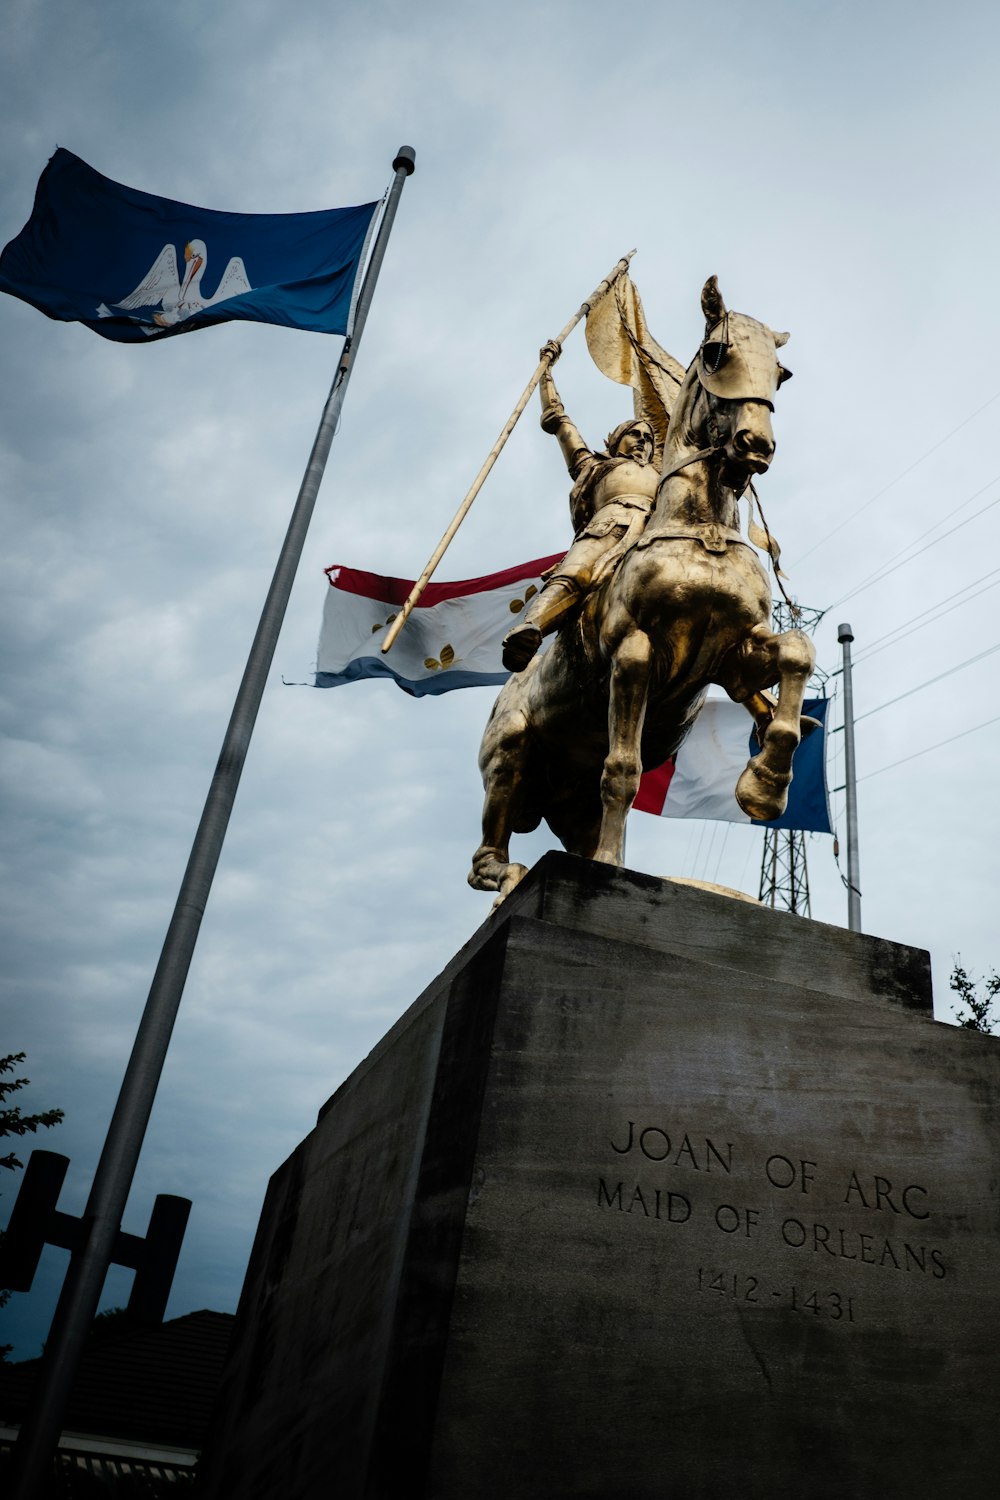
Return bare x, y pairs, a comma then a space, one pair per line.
13, 1122
978, 1015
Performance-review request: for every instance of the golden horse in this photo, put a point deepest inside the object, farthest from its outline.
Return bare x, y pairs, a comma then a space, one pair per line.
688, 605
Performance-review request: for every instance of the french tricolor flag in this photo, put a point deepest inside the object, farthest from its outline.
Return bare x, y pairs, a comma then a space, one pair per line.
452, 640
700, 780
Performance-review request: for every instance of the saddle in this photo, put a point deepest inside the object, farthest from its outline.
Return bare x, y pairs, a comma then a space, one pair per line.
712, 536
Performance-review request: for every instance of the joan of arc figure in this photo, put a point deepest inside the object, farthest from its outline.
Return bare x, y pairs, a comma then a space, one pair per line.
613, 492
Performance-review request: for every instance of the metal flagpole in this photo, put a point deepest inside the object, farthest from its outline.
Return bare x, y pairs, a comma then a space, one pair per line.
88, 1268
845, 636
494, 453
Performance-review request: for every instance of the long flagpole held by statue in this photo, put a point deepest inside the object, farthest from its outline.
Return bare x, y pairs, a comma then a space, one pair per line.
88, 1268
495, 451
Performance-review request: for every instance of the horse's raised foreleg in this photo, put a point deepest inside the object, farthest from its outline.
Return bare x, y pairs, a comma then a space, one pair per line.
623, 766
502, 762
788, 660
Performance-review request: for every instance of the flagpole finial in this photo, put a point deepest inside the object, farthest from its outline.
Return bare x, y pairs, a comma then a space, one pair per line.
405, 158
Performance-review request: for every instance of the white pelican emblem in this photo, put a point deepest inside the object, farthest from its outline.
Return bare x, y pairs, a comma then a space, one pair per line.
179, 299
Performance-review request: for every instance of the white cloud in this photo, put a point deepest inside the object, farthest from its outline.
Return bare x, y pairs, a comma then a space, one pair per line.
832, 175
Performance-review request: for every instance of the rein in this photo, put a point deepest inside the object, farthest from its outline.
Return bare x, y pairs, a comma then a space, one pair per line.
687, 462
770, 546
773, 550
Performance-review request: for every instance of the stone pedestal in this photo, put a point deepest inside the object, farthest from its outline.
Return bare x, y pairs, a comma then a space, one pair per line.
652, 1194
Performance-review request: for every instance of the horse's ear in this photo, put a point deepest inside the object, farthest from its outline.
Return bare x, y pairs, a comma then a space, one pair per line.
712, 304
780, 339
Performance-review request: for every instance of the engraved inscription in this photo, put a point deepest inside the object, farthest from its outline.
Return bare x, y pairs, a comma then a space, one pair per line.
652, 1204
731, 1220
781, 1172
745, 1288
879, 1196
656, 1144
828, 1228
869, 1249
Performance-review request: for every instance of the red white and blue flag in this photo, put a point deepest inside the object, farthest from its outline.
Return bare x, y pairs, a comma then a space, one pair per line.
453, 640
700, 780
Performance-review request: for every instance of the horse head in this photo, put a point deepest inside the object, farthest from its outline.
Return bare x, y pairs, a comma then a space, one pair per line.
725, 402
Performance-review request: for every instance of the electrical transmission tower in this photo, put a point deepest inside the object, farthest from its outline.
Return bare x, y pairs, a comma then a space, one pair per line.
784, 875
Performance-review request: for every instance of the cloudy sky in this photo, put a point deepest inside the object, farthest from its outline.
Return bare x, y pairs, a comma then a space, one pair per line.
835, 164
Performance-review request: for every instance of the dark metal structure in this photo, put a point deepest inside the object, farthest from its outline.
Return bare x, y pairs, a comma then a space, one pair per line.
784, 873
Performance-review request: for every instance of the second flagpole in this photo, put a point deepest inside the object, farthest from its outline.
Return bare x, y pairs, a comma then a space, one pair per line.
84, 1282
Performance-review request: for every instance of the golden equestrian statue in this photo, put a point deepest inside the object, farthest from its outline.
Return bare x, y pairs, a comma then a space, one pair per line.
659, 597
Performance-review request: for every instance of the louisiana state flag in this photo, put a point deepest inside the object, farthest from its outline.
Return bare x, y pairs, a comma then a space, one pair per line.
136, 268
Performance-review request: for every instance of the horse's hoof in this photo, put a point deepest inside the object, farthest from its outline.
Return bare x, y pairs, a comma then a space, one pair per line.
762, 794
515, 874
519, 646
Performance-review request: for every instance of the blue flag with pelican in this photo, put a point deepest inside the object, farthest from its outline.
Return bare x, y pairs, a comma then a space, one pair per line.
136, 268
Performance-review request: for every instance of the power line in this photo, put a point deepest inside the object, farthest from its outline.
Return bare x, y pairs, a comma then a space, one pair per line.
722, 849
746, 861
909, 470
949, 672
877, 577
878, 572
917, 753
928, 617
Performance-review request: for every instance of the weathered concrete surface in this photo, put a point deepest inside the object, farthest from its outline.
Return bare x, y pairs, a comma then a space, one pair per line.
652, 1194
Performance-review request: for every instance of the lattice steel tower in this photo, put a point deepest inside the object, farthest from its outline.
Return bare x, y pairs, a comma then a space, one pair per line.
784, 875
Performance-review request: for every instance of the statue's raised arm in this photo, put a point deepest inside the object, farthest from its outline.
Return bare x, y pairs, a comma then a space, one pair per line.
555, 421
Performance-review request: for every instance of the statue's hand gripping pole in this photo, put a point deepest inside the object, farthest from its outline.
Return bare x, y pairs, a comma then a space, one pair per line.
549, 353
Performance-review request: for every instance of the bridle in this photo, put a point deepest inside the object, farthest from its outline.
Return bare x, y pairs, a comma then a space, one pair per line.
719, 445
771, 546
